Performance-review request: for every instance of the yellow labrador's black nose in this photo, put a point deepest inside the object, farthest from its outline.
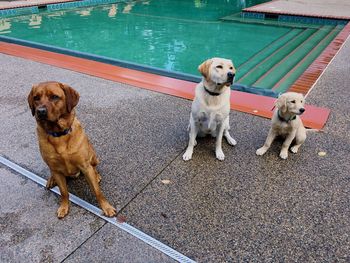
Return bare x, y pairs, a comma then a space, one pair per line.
230, 77
301, 110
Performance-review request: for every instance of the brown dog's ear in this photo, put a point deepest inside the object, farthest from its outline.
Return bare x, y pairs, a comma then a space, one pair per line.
204, 68
31, 101
281, 103
72, 97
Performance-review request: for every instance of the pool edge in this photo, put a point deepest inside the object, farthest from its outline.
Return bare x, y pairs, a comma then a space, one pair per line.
315, 117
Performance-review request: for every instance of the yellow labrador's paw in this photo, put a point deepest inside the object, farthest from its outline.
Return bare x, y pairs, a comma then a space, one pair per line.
220, 155
294, 149
231, 141
261, 151
109, 210
187, 155
62, 211
284, 155
51, 183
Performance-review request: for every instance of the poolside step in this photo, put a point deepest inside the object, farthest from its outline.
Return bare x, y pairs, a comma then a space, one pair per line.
266, 52
280, 69
262, 67
284, 83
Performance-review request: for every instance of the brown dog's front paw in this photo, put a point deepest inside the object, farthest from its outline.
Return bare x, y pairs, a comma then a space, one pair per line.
62, 211
51, 183
109, 210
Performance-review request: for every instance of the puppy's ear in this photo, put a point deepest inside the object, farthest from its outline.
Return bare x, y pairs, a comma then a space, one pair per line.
204, 68
281, 103
31, 101
72, 96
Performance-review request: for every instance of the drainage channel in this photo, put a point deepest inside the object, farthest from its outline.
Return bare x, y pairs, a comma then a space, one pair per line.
98, 212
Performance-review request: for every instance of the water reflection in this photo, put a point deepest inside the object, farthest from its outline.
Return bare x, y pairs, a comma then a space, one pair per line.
113, 10
84, 12
5, 25
199, 3
35, 21
166, 34
127, 9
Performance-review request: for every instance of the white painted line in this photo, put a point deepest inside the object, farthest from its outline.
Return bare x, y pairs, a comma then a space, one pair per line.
95, 210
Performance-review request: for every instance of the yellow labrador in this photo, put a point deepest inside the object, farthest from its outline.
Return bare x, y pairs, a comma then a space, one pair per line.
287, 123
211, 105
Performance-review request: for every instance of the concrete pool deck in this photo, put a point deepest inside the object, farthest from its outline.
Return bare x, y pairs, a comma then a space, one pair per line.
247, 207
339, 9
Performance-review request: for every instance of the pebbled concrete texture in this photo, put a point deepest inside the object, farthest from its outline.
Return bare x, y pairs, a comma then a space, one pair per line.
318, 8
113, 245
30, 230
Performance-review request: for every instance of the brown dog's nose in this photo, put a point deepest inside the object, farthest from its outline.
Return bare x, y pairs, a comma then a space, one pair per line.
41, 112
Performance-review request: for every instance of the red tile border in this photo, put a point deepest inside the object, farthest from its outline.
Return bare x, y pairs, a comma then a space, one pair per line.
314, 117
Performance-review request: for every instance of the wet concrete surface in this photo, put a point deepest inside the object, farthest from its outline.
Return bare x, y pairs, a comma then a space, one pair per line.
246, 208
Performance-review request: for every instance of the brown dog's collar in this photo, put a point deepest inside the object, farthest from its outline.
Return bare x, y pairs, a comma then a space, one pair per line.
59, 134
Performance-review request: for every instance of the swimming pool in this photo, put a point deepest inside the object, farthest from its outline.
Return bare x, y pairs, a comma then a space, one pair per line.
179, 35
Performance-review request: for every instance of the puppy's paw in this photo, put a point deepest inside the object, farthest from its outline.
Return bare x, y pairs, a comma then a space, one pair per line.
231, 141
187, 155
51, 183
284, 155
294, 149
62, 211
220, 155
261, 151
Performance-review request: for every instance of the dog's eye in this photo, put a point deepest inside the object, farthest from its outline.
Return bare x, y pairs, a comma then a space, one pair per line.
231, 67
293, 101
54, 97
36, 97
219, 66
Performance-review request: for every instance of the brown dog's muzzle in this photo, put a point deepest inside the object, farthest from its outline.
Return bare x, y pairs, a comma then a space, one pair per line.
41, 112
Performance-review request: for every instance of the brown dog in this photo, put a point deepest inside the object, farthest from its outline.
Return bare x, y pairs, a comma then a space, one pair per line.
63, 143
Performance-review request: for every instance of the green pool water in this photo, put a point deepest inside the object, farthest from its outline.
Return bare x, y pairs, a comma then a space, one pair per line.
166, 34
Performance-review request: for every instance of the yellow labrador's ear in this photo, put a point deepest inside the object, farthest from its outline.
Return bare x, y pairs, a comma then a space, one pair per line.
204, 68
31, 101
281, 103
72, 96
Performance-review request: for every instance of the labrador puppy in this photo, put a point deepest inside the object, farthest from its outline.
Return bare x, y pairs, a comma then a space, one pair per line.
287, 123
211, 105
63, 143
